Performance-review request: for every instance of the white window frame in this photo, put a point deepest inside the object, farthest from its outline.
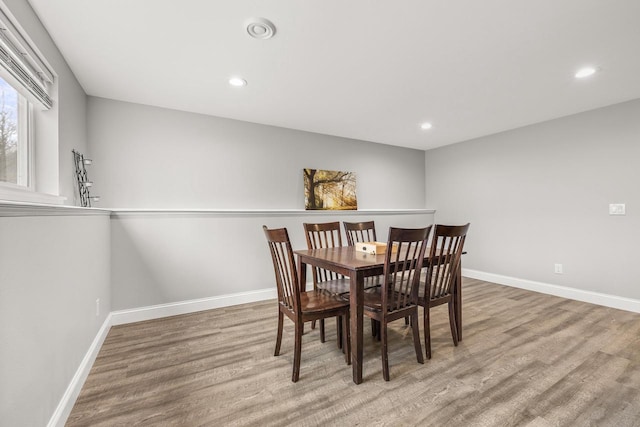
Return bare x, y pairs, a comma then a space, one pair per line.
25, 175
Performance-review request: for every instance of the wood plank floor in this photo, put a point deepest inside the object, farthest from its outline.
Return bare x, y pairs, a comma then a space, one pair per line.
527, 359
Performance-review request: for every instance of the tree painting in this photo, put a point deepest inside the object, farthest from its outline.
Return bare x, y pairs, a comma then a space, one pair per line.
331, 190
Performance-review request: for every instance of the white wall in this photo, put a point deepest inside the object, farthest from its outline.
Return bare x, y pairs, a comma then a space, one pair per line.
539, 195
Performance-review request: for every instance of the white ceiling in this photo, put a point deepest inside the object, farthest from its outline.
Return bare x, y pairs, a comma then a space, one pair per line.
364, 69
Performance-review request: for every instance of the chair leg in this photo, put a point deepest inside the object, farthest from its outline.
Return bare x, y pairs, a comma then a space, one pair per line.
452, 323
346, 341
375, 329
321, 330
313, 324
279, 336
427, 332
406, 320
416, 337
384, 351
297, 352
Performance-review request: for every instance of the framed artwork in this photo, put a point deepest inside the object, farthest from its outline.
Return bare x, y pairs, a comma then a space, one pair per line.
329, 190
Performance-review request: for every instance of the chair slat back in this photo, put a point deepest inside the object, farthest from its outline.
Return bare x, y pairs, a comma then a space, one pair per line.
446, 251
284, 267
359, 232
402, 267
324, 235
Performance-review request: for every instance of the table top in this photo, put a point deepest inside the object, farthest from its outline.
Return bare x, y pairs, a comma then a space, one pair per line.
343, 256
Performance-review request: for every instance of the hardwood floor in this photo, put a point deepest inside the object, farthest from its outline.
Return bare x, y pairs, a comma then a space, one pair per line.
527, 359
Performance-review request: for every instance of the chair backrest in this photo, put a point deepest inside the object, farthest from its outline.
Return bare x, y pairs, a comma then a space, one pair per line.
446, 250
324, 235
402, 267
285, 267
359, 232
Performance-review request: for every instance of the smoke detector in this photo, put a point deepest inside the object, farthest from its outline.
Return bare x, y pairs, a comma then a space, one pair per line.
260, 28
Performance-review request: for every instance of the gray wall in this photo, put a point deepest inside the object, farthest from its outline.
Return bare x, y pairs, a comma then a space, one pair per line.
164, 258
52, 268
147, 157
539, 195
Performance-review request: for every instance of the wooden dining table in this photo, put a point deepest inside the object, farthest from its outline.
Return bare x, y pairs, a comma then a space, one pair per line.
358, 265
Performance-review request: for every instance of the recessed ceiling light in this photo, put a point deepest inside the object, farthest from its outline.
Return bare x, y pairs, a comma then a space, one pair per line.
426, 125
585, 72
237, 81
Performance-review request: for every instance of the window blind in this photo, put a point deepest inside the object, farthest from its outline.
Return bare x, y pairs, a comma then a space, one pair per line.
23, 63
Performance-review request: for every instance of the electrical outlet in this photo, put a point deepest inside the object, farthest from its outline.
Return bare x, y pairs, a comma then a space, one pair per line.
617, 209
558, 268
97, 307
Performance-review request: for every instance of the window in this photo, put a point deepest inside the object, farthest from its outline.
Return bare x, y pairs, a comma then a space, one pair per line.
14, 136
29, 168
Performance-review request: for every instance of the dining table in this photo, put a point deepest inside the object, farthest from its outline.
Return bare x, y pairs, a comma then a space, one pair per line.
356, 265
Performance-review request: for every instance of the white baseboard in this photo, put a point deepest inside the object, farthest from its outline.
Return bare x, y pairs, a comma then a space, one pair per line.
613, 301
121, 317
60, 415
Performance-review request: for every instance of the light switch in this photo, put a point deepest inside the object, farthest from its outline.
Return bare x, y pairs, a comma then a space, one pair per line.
616, 209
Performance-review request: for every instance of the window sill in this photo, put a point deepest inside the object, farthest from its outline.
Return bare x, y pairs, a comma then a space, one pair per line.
21, 209
10, 193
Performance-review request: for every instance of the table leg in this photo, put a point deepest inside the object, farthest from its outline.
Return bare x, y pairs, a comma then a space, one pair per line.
302, 279
458, 300
302, 275
356, 300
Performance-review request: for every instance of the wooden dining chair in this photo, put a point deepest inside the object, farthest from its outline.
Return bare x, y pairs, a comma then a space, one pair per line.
358, 232
301, 306
438, 283
326, 235
397, 298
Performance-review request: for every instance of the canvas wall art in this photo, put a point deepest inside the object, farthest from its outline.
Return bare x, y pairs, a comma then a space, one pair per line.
329, 190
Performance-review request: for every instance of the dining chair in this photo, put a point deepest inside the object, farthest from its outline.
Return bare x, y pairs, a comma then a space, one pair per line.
397, 298
358, 232
326, 235
298, 305
438, 283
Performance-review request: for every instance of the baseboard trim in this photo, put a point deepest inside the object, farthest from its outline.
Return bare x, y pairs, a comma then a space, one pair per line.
140, 314
60, 415
613, 301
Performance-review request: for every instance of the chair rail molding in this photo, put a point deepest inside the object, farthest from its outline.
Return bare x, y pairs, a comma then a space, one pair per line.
120, 212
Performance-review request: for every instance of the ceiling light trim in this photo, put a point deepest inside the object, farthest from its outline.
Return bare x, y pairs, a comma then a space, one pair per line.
260, 28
